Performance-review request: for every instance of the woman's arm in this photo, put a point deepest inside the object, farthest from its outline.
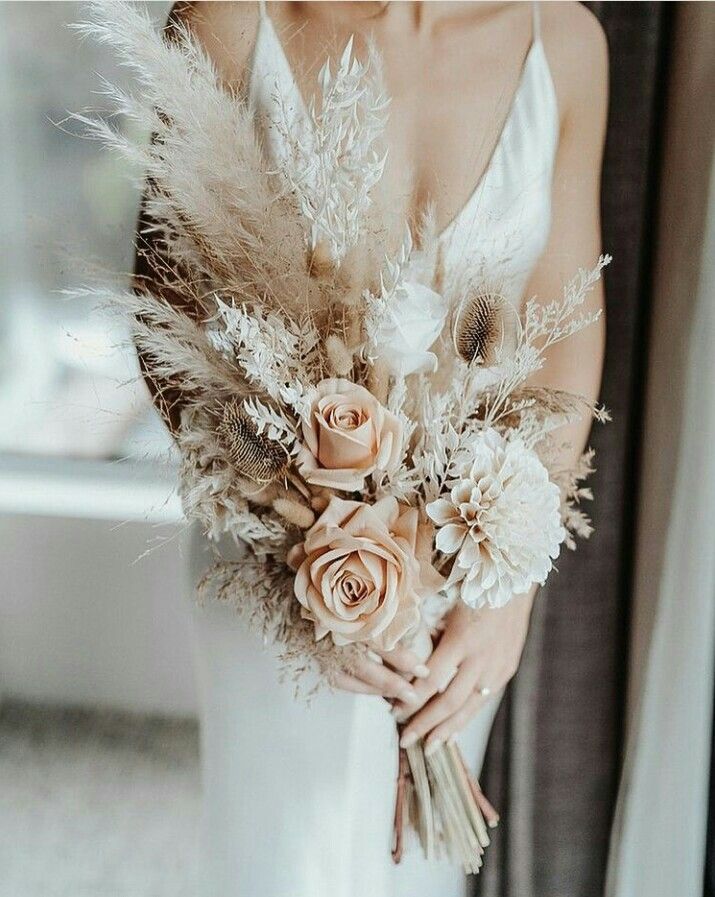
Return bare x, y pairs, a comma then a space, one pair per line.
483, 650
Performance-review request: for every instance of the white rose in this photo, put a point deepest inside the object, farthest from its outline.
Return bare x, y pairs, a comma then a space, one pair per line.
411, 324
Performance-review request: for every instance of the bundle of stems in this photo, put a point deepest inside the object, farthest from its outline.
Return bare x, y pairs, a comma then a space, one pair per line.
445, 804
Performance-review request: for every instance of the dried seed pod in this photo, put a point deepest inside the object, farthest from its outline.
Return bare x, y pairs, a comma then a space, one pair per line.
486, 326
253, 454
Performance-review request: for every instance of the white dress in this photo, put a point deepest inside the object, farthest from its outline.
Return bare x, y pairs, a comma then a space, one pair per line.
299, 798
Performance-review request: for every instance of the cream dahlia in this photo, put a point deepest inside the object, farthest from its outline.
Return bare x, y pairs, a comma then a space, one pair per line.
501, 521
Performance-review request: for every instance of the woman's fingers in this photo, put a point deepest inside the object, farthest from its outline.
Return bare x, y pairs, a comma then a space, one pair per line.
439, 709
405, 661
387, 682
456, 722
346, 682
442, 666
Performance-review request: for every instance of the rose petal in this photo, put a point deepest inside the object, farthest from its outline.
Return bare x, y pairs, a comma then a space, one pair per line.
345, 449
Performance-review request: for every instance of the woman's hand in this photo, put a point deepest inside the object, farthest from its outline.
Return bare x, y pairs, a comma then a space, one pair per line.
477, 654
387, 674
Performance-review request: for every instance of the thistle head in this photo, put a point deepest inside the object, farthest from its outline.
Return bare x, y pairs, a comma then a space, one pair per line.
485, 328
253, 454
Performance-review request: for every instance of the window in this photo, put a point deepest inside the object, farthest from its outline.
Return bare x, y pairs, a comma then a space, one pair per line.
68, 384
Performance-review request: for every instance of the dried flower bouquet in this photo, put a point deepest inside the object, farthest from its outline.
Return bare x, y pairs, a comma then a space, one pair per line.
375, 448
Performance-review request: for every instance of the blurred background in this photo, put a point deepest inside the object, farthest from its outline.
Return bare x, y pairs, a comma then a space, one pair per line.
86, 467
94, 592
600, 759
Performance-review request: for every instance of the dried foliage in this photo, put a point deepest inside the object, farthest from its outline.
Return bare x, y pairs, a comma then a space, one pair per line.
288, 277
293, 295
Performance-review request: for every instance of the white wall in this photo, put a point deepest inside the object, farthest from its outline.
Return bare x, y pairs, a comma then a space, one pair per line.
83, 622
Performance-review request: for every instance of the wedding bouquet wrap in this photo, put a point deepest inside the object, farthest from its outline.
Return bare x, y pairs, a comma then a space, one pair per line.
371, 442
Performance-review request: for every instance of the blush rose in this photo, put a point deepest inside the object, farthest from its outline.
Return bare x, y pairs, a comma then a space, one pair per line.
363, 570
348, 436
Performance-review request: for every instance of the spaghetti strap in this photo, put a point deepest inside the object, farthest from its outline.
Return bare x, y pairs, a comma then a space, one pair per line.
262, 11
535, 21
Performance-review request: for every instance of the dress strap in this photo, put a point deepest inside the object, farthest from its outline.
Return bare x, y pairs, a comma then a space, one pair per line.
262, 11
535, 21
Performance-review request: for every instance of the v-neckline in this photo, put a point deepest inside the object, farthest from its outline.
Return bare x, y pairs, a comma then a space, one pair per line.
265, 20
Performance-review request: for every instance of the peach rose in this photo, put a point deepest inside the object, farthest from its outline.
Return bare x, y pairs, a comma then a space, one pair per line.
363, 570
349, 435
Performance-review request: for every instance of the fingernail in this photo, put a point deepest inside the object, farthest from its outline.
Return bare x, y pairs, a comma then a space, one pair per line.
445, 684
433, 746
408, 739
400, 714
408, 695
421, 671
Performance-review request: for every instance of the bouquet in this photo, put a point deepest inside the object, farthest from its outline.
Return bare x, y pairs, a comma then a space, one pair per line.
367, 436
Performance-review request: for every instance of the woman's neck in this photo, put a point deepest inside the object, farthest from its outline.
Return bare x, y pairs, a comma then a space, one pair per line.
417, 13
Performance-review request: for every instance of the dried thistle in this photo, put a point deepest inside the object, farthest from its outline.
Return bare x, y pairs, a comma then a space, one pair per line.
253, 454
485, 329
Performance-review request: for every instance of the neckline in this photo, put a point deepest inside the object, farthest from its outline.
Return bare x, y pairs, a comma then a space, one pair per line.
266, 21
498, 143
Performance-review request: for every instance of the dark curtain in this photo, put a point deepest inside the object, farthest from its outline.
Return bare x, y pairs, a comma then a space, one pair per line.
553, 762
709, 886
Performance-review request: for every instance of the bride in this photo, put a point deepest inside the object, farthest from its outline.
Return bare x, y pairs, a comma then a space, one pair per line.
497, 118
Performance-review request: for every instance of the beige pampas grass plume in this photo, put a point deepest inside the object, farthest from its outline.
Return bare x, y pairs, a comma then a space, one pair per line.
321, 263
294, 512
338, 355
485, 328
255, 456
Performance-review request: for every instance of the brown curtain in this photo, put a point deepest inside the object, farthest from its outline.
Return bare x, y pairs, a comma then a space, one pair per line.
554, 757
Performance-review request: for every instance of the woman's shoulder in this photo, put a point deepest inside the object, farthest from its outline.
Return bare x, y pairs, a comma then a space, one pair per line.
577, 50
574, 28
227, 32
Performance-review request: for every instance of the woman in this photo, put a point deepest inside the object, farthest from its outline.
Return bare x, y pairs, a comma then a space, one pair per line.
497, 117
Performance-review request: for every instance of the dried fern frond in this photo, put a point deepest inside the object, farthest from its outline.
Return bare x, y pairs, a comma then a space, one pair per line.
576, 522
540, 404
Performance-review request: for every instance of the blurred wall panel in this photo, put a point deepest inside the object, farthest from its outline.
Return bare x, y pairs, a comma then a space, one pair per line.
84, 620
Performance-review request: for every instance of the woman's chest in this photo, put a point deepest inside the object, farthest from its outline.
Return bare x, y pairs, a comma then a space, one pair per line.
449, 101
479, 149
